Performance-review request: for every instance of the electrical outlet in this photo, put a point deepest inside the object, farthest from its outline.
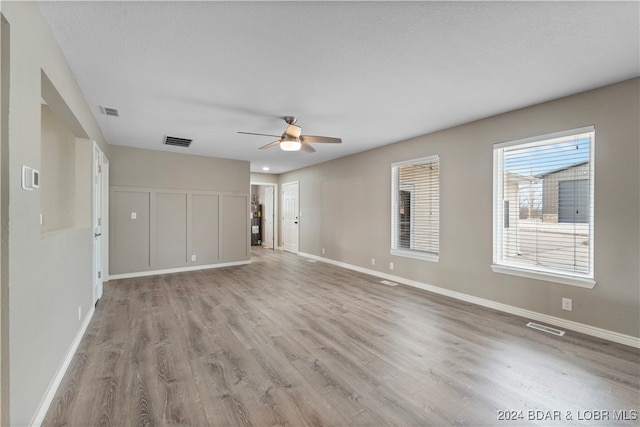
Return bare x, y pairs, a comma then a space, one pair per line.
134, 215
567, 304
80, 312
322, 251
41, 219
391, 266
373, 261
193, 257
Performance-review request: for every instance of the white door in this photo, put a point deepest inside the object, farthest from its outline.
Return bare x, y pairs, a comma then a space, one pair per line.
268, 217
290, 217
98, 190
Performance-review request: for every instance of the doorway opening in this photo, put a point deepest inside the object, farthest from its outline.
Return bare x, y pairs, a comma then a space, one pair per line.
264, 207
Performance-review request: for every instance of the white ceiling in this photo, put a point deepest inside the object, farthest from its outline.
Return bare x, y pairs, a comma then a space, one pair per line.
372, 73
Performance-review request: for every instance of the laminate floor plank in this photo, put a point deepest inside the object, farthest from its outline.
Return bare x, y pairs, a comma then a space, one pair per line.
288, 342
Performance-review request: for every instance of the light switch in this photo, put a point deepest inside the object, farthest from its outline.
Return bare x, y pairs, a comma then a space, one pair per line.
134, 215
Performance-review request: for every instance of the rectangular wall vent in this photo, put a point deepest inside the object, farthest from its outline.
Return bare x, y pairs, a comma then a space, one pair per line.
546, 329
178, 142
109, 111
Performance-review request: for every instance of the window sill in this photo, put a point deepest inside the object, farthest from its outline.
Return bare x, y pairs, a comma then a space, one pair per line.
416, 255
541, 275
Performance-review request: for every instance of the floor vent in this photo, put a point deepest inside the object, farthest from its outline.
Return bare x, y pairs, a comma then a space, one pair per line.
388, 283
546, 329
109, 111
178, 142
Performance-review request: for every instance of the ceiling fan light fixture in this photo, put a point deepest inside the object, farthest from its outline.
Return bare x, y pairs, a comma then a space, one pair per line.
293, 140
290, 145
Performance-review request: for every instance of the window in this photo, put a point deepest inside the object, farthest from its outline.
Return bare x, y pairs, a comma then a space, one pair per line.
415, 208
543, 207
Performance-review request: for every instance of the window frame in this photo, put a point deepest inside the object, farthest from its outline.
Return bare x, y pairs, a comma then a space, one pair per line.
539, 272
395, 193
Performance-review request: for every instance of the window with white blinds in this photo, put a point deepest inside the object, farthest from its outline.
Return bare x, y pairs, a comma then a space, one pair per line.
415, 208
543, 206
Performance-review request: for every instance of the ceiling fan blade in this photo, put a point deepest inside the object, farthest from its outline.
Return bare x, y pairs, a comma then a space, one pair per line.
293, 131
311, 138
261, 134
305, 146
269, 145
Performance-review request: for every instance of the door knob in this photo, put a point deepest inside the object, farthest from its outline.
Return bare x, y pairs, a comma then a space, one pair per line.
97, 234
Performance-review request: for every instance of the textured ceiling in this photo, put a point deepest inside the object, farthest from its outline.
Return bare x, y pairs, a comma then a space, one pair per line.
372, 73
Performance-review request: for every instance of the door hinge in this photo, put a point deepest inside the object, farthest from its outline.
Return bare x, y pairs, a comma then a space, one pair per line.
99, 221
99, 274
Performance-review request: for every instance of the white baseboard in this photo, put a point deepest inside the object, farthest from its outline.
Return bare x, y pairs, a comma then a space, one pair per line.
176, 270
57, 379
533, 315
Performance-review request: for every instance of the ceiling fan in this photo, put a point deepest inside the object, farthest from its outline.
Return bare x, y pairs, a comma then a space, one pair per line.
292, 140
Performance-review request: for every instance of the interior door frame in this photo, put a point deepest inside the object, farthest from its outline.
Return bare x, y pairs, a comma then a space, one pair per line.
275, 210
100, 220
297, 222
105, 218
5, 59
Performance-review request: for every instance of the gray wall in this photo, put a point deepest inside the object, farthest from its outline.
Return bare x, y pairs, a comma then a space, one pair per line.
184, 206
160, 169
5, 59
46, 285
58, 170
345, 207
263, 178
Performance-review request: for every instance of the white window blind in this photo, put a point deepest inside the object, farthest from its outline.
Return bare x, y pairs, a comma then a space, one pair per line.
543, 204
415, 210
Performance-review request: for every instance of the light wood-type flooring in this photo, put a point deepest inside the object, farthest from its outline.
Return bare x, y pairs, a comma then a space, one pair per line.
285, 341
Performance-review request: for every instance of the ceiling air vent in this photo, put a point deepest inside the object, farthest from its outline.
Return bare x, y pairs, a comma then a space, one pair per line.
109, 111
178, 142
